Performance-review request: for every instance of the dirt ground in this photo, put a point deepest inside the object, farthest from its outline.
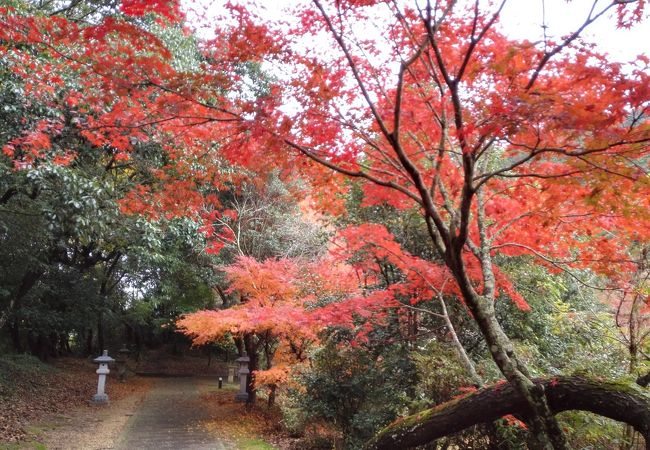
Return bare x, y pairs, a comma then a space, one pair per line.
38, 399
94, 427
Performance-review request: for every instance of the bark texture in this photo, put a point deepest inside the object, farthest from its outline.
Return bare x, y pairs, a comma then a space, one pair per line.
623, 402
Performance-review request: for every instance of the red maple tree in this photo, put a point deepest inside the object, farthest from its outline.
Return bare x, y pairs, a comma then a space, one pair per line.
506, 147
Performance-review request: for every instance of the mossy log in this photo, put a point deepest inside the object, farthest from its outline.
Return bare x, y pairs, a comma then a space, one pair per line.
623, 402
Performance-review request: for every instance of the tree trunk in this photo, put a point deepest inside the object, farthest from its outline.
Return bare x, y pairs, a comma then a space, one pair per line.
64, 344
462, 354
271, 400
545, 431
128, 335
42, 350
137, 335
268, 355
104, 290
239, 343
544, 428
14, 329
225, 303
53, 345
635, 338
251, 345
619, 401
29, 280
100, 333
89, 342
31, 342
628, 431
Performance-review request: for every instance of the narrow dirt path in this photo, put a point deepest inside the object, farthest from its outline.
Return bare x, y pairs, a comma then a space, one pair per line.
170, 417
162, 413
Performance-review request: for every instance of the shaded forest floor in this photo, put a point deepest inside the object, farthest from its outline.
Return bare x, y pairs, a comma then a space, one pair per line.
35, 397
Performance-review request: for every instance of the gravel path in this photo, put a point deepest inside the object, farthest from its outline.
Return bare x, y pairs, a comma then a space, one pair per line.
170, 417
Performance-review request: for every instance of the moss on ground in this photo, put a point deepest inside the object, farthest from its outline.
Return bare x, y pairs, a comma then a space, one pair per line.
254, 444
14, 366
32, 445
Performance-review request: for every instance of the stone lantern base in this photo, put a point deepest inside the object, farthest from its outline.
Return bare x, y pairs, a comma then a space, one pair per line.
99, 399
241, 397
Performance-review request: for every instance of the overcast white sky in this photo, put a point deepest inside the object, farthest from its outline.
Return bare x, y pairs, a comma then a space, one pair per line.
523, 19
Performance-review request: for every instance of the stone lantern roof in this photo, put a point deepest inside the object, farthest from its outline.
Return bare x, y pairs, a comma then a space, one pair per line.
104, 359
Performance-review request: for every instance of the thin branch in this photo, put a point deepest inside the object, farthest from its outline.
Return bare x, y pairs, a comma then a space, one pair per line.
572, 37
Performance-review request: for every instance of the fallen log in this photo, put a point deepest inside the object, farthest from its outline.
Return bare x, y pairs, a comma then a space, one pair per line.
624, 402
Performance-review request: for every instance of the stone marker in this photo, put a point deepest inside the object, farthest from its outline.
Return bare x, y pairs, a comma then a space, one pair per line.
242, 395
231, 374
100, 397
121, 363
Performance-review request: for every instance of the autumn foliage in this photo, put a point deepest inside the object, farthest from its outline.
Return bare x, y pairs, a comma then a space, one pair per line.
505, 149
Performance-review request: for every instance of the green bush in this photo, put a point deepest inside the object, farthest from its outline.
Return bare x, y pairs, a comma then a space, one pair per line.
357, 390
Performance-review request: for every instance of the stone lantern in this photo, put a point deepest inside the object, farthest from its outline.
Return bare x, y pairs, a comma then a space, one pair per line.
242, 395
100, 397
121, 363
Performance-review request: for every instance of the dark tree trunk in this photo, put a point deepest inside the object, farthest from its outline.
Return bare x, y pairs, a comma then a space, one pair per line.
32, 342
269, 352
64, 344
42, 347
100, 333
619, 401
271, 400
225, 303
239, 343
89, 342
14, 329
29, 280
7, 195
545, 430
128, 335
251, 344
53, 345
137, 335
104, 290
